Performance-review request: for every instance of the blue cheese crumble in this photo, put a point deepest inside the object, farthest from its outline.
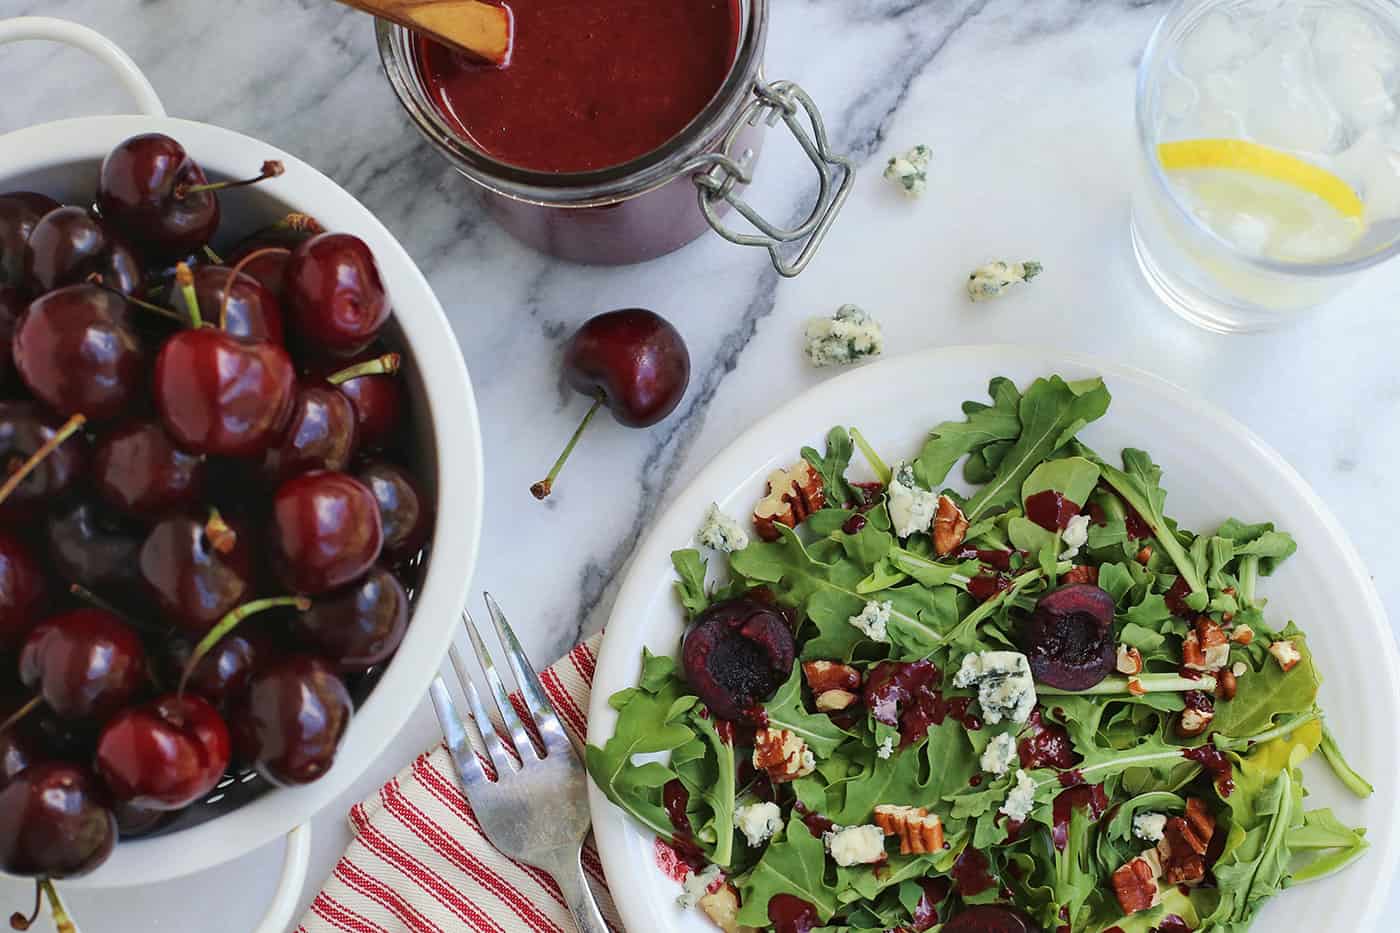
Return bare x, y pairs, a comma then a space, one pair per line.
911, 508
873, 620
1075, 536
1021, 801
758, 821
886, 747
1005, 688
910, 170
993, 279
1150, 827
999, 754
855, 845
846, 337
722, 532
697, 885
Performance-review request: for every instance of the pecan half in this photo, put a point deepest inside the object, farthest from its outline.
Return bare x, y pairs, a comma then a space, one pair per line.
833, 701
1081, 574
1135, 883
1129, 661
1144, 554
1226, 683
782, 754
1198, 715
919, 831
1201, 821
792, 495
830, 675
1182, 849
949, 527
1242, 634
1286, 654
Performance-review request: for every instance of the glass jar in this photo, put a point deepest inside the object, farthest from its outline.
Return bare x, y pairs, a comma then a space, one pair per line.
664, 199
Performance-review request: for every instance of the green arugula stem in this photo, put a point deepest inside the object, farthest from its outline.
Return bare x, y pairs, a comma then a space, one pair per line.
1327, 865
984, 611
1228, 743
1345, 773
1249, 576
1118, 764
1152, 683
882, 472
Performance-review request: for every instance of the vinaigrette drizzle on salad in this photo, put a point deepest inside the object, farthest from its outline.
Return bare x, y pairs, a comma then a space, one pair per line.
1042, 705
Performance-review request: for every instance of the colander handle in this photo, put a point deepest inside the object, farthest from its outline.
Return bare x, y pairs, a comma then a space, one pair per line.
281, 913
95, 44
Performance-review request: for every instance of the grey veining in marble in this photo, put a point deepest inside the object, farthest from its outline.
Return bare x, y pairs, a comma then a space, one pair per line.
1027, 106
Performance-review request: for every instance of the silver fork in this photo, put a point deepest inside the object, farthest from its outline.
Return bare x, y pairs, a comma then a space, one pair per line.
537, 812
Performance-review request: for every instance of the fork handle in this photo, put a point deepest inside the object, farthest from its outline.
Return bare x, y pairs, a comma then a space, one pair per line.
568, 871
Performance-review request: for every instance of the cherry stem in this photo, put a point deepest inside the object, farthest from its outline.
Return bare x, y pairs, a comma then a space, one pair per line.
96, 279
544, 487
212, 256
19, 921
233, 277
221, 536
300, 223
20, 713
69, 428
61, 920
385, 365
184, 281
270, 169
229, 622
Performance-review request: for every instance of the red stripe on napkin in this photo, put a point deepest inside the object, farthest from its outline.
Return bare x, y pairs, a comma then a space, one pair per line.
420, 863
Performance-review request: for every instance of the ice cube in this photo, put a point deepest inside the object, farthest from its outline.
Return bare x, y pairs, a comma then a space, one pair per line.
1348, 35
1357, 89
1218, 42
1371, 165
1248, 232
1282, 98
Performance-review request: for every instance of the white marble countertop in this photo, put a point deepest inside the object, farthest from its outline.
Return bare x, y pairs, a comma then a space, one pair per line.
1028, 109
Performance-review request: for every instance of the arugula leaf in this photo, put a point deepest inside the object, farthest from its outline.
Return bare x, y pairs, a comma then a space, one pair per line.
1051, 412
1268, 693
690, 583
833, 466
786, 711
1140, 485
717, 792
913, 776
1072, 477
1136, 636
984, 425
1345, 773
794, 864
1121, 824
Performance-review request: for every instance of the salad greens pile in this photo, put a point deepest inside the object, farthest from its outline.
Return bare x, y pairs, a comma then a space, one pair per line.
1129, 756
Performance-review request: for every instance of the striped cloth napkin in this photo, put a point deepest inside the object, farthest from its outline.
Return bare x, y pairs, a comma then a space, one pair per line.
419, 861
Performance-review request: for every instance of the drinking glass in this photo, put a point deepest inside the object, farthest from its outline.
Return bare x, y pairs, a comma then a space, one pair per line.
1269, 173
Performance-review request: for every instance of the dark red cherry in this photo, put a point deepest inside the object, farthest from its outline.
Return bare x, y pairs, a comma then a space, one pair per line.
22, 589
76, 350
372, 384
737, 654
335, 297
1068, 639
990, 918
17, 750
138, 470
319, 436
404, 514
265, 253
13, 302
197, 569
54, 823
25, 429
68, 244
252, 312
634, 362
165, 754
222, 673
217, 394
289, 722
137, 193
19, 212
325, 531
359, 626
134, 821
93, 547
84, 664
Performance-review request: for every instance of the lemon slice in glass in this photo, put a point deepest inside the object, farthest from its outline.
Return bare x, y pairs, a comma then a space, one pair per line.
1264, 201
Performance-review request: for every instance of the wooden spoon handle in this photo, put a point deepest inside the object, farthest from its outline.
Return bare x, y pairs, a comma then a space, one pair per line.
480, 29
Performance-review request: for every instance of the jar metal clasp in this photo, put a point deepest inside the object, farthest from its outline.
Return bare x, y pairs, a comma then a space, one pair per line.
718, 174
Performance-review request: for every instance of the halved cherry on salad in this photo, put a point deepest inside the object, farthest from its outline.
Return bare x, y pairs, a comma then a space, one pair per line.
737, 654
174, 428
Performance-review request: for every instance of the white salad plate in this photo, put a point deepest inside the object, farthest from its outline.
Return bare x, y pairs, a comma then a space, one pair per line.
1213, 468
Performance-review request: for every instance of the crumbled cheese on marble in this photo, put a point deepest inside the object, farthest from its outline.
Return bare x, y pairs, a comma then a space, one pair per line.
993, 279
758, 821
1150, 827
846, 337
1005, 687
911, 508
886, 747
1021, 801
697, 883
722, 532
873, 620
999, 754
1075, 536
910, 170
855, 845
